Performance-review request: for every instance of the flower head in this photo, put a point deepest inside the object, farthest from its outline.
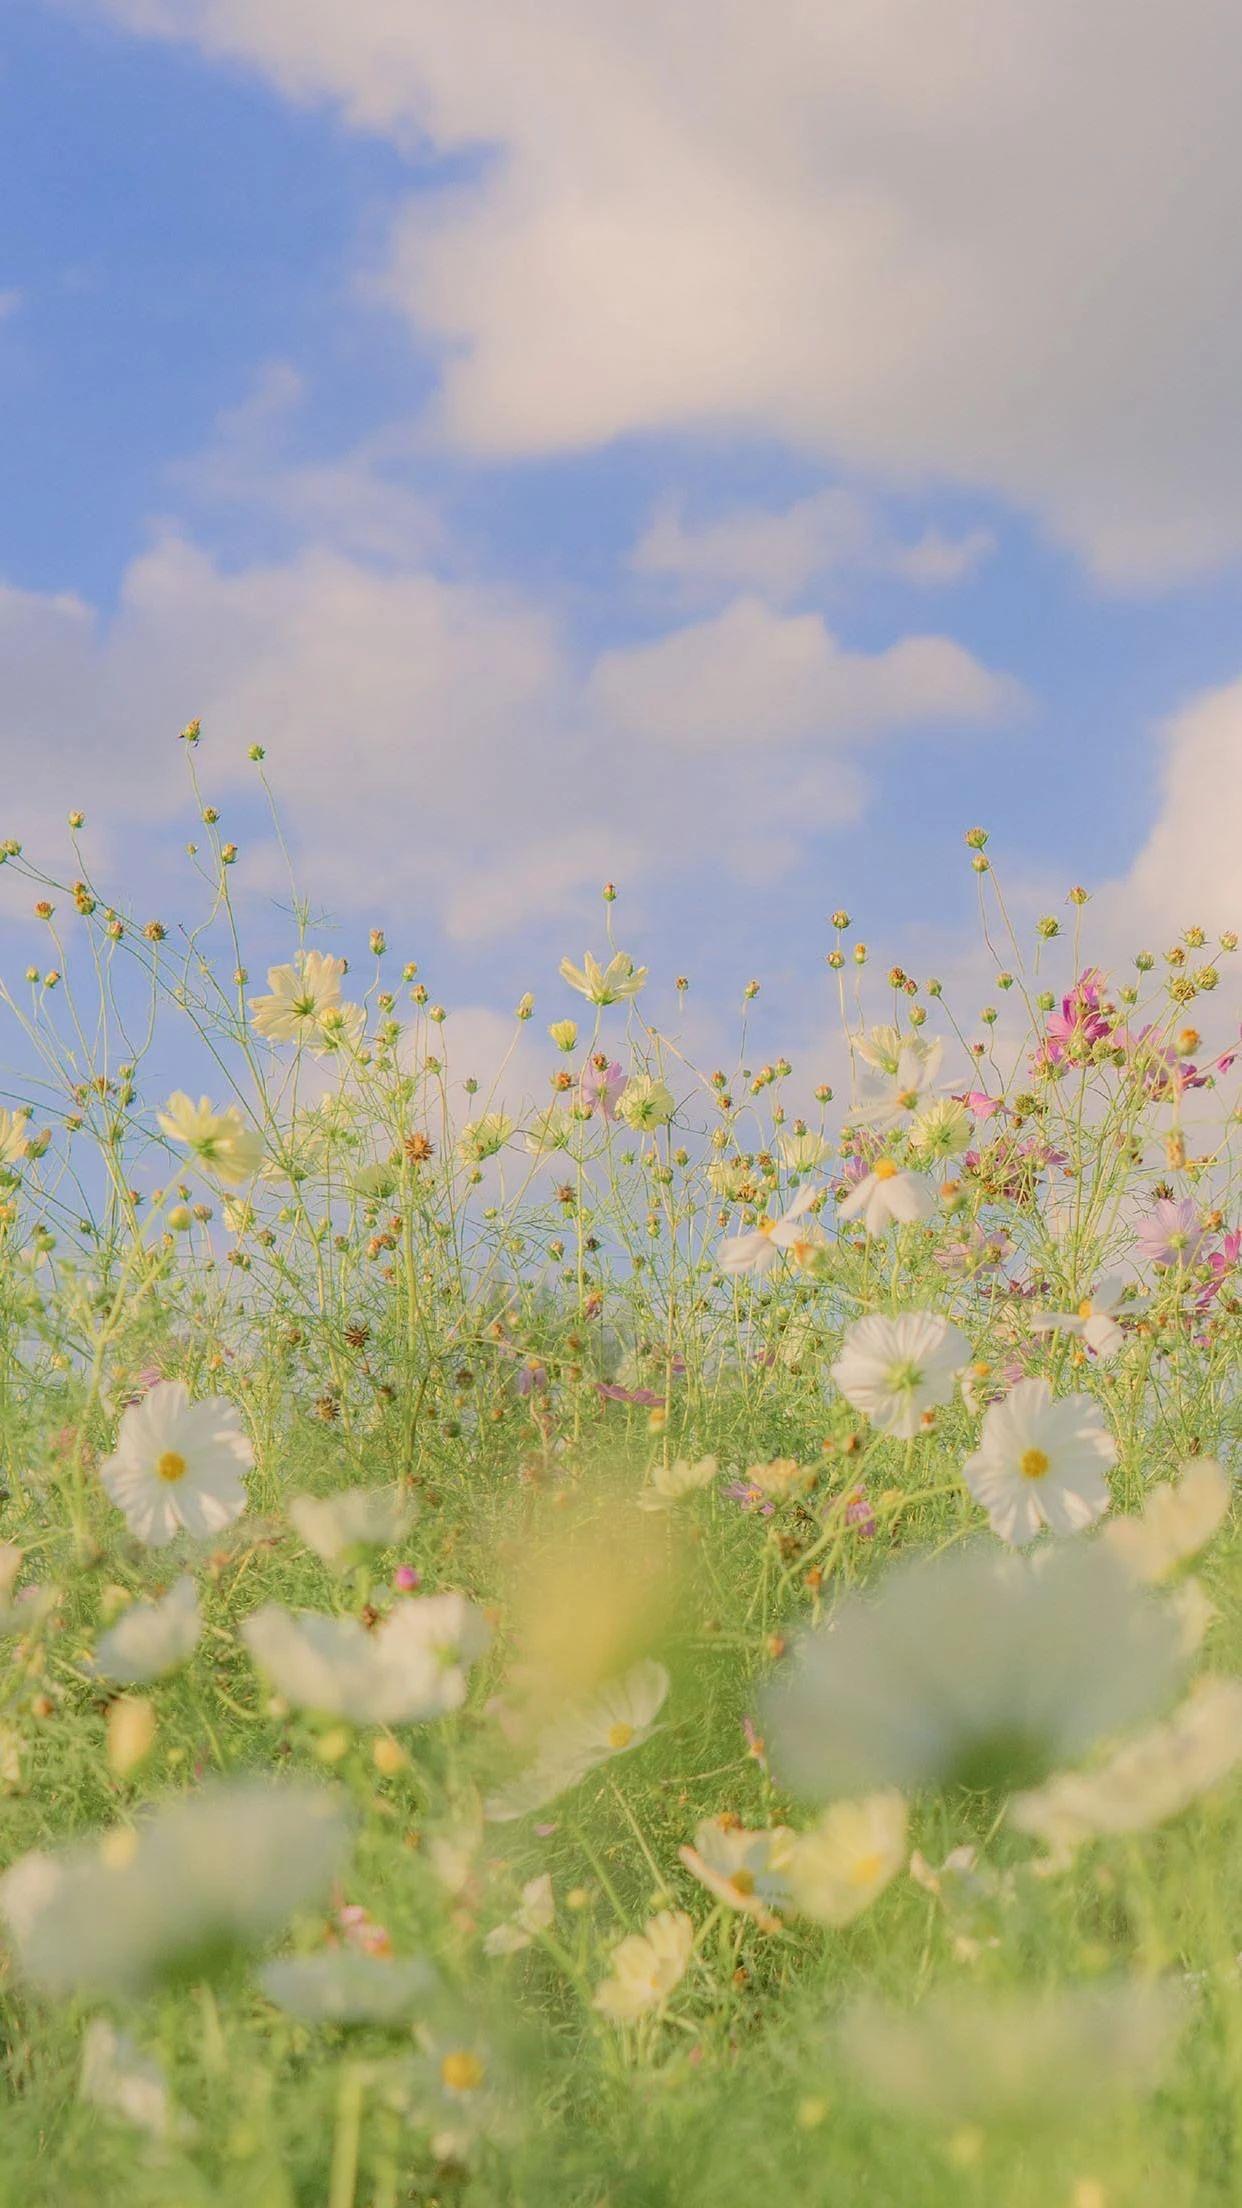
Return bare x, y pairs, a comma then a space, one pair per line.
1170, 1233
647, 1967
1093, 1320
300, 998
760, 1248
886, 1195
223, 1144
838, 1868
894, 1370
151, 1638
177, 1465
745, 1870
1041, 1461
609, 984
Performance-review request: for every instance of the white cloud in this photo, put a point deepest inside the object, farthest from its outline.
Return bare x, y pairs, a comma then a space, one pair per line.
1189, 869
433, 738
976, 240
778, 553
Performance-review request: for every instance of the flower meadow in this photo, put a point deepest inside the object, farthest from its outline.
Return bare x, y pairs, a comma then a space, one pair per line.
672, 1638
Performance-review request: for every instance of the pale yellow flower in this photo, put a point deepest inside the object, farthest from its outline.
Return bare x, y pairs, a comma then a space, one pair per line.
670, 1482
299, 996
13, 1140
1177, 1520
224, 1145
1154, 1777
647, 1967
744, 1869
836, 1870
604, 984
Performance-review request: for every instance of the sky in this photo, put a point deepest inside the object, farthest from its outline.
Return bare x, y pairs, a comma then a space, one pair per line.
725, 450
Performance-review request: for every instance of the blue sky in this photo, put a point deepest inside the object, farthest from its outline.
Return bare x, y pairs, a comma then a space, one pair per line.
262, 326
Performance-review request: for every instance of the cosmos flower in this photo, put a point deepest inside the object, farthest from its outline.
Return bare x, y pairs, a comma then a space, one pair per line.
223, 1144
745, 1870
669, 1483
760, 1248
483, 1138
882, 1048
975, 1668
838, 1868
888, 1100
1041, 1461
300, 998
894, 1370
602, 1086
609, 984
886, 1196
345, 1985
647, 1967
118, 2077
535, 1913
804, 1152
411, 1668
1176, 1521
646, 1102
1093, 1321
14, 1141
151, 1638
618, 1718
178, 1465
338, 1527
1152, 1778
940, 1130
172, 1898
1170, 1233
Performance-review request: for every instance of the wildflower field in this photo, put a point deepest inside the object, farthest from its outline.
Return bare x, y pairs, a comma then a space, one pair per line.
675, 1638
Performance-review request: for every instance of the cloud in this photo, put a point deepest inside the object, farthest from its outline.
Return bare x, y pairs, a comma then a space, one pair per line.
436, 738
931, 244
1189, 869
779, 553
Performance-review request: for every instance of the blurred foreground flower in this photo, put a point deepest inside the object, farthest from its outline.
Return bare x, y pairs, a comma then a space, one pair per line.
844, 1863
1176, 1521
345, 1986
222, 1142
151, 1638
620, 1717
647, 1967
174, 1897
337, 1526
177, 1465
972, 1669
411, 1668
1146, 1782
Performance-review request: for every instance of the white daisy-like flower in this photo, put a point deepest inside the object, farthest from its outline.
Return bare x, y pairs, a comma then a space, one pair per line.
1041, 1461
670, 1483
178, 1466
890, 1097
299, 996
14, 1140
1152, 1778
646, 1102
340, 1985
151, 1638
805, 1152
609, 984
1177, 1520
535, 1913
881, 1048
743, 1869
619, 1717
838, 1869
224, 1145
887, 1196
762, 1246
1093, 1321
974, 1668
894, 1370
222, 1868
647, 1967
338, 1526
405, 1672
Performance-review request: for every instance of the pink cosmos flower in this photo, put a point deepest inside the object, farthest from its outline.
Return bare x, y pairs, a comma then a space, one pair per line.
609, 1392
602, 1086
980, 1105
1221, 1263
1170, 1234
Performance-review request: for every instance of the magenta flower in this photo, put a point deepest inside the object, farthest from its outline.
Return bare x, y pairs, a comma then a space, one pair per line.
979, 1104
405, 1579
1081, 1022
602, 1086
1171, 1234
609, 1392
1221, 1263
858, 1512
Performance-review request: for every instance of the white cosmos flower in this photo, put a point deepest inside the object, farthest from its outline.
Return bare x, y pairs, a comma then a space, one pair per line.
761, 1247
14, 1142
647, 1967
222, 1868
118, 2077
888, 1196
341, 1985
669, 1483
223, 1144
838, 1869
151, 1638
1152, 1778
1093, 1320
973, 1668
402, 1673
889, 1098
337, 1526
941, 1130
178, 1465
743, 1869
299, 997
646, 1102
535, 1913
1041, 1461
881, 1048
893, 1370
619, 1717
608, 984
803, 1153
1177, 1520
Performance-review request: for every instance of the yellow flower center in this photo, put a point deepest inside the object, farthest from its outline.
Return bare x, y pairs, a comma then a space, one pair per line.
171, 1466
743, 1882
461, 2072
620, 1735
866, 1868
1033, 1463
908, 1098
884, 1169
1085, 1308
764, 1226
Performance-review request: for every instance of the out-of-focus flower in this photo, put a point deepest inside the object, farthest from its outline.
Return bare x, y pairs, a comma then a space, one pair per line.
745, 1870
972, 1669
609, 984
889, 1100
14, 1141
1170, 1233
1093, 1320
301, 996
646, 1102
960, 2059
223, 1144
343, 1985
804, 1153
1220, 1264
410, 1669
535, 1913
621, 1716
1041, 1461
338, 1527
178, 1465
941, 1130
151, 1638
882, 1048
483, 1138
669, 1483
1149, 1780
1176, 1521
549, 1130
171, 1899
761, 1247
838, 1868
602, 1086
118, 2077
887, 1196
894, 1370
647, 1967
